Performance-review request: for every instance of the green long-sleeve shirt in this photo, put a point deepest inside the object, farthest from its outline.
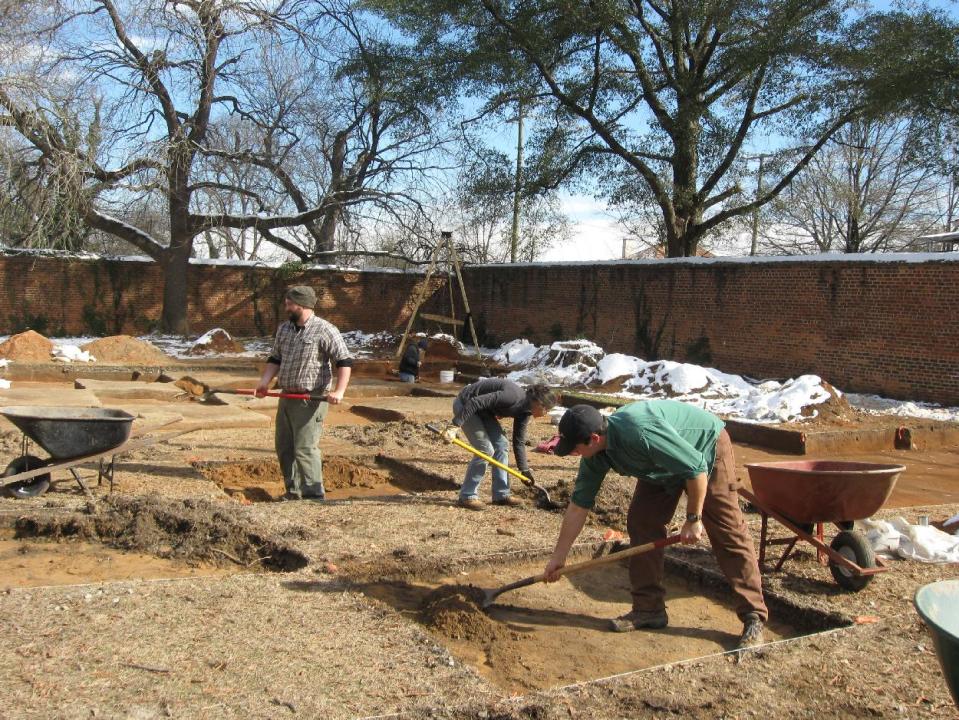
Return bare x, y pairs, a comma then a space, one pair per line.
663, 442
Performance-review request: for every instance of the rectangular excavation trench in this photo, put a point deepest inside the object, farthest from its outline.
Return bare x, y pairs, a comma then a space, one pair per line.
545, 636
136, 539
33, 562
345, 478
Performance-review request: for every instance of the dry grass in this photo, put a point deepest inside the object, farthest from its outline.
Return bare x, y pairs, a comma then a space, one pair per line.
309, 645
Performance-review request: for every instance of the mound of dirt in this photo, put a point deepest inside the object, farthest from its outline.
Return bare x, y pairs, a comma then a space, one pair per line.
187, 529
216, 342
455, 612
126, 350
440, 349
262, 481
192, 386
835, 410
27, 346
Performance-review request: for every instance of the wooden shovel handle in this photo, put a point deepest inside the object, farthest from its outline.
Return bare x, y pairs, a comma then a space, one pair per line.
579, 567
616, 556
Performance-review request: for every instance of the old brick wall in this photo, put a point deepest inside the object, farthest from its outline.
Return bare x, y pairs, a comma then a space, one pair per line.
888, 326
79, 297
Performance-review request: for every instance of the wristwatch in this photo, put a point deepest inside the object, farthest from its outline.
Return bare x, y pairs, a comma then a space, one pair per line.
693, 517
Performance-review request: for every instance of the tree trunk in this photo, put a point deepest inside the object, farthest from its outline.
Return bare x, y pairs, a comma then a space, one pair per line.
682, 238
327, 235
174, 318
176, 266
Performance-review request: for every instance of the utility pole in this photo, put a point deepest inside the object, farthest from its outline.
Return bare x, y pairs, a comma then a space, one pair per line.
754, 246
517, 183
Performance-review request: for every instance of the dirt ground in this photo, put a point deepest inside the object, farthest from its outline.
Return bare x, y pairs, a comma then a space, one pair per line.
543, 636
315, 610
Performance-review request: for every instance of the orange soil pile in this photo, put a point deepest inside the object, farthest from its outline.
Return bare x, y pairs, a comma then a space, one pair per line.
441, 350
220, 342
191, 385
126, 350
28, 346
454, 611
262, 481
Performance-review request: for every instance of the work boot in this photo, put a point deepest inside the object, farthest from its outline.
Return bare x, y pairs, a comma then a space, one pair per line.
638, 619
508, 500
472, 504
752, 632
287, 497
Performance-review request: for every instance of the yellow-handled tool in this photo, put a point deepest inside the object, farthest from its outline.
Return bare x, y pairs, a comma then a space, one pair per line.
545, 500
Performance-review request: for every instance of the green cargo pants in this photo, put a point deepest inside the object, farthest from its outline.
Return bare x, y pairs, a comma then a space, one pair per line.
299, 425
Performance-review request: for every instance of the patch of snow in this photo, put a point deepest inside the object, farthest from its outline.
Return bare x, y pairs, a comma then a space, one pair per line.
4, 384
71, 353
583, 363
3, 361
207, 337
617, 365
876, 405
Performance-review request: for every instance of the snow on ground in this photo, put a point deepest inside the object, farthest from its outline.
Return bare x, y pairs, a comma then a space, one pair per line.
71, 353
3, 361
581, 363
573, 363
207, 337
906, 408
179, 346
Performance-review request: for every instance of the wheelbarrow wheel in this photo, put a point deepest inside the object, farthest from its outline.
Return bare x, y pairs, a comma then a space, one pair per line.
853, 546
27, 488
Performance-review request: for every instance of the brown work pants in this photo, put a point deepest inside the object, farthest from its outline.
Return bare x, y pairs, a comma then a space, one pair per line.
652, 509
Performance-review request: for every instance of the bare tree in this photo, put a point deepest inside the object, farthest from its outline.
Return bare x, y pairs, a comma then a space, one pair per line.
870, 190
175, 79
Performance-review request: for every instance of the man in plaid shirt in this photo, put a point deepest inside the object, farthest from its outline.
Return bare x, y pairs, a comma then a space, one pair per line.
304, 348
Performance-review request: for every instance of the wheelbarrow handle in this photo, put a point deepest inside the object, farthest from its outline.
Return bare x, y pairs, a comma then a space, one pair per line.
270, 393
479, 453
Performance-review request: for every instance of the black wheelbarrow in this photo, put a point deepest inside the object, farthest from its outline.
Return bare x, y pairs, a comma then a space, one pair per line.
70, 436
804, 494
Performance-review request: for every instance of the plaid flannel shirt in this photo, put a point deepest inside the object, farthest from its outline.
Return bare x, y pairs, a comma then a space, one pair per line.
304, 356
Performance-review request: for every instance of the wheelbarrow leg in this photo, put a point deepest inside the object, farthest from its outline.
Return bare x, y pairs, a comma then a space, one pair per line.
76, 476
789, 548
820, 555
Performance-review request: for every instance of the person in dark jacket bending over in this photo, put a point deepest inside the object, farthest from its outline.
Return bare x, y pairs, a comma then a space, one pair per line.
476, 410
671, 448
411, 361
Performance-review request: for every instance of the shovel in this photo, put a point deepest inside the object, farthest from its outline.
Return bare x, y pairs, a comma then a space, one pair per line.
545, 501
490, 595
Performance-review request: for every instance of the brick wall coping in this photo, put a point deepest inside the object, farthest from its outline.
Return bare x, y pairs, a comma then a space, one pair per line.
844, 258
221, 262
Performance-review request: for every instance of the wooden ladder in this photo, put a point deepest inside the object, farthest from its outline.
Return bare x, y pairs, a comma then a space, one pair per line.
422, 292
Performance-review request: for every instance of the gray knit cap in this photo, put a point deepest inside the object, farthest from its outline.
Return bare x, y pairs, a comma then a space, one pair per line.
302, 296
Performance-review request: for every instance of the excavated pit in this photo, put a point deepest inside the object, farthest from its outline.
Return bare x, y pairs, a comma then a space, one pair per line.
195, 532
545, 636
343, 477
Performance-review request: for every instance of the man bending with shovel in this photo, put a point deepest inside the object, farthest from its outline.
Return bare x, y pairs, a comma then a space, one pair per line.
671, 448
476, 410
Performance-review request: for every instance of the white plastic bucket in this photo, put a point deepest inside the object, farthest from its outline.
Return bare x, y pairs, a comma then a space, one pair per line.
446, 376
